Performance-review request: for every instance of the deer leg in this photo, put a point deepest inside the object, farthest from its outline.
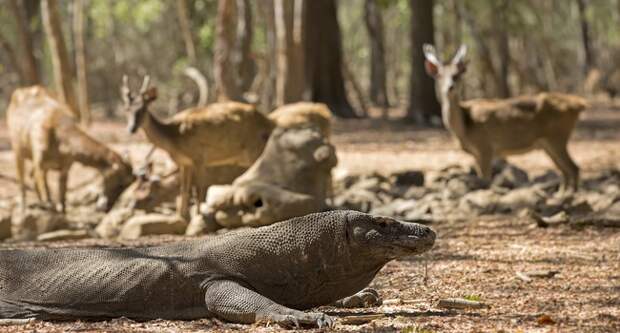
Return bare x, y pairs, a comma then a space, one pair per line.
570, 171
62, 188
183, 203
484, 165
46, 187
19, 167
39, 178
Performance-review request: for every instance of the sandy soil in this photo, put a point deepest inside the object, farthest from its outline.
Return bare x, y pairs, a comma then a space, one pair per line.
474, 258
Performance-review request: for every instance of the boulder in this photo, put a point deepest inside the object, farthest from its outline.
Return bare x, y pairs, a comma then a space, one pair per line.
510, 177
63, 235
408, 178
29, 223
110, 226
526, 197
292, 177
152, 224
480, 202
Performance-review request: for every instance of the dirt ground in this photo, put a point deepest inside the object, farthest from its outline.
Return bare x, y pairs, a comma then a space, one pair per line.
475, 258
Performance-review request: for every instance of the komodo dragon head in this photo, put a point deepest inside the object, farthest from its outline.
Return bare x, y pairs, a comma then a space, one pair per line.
387, 236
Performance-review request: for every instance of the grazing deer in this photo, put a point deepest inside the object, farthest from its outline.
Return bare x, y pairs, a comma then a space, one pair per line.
489, 128
43, 130
220, 134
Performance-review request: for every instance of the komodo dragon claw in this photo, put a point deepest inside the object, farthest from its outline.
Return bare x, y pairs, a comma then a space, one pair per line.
308, 318
366, 298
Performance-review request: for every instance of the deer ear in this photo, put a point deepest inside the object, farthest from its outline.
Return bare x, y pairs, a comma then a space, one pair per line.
150, 94
431, 68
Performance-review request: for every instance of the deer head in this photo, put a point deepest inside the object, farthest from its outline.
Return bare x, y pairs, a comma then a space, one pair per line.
446, 74
116, 179
136, 105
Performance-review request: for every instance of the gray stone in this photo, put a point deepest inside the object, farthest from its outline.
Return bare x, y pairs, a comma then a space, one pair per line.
408, 178
110, 226
480, 202
152, 224
28, 224
63, 235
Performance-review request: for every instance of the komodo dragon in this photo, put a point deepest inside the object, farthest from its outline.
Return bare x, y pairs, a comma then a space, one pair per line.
268, 273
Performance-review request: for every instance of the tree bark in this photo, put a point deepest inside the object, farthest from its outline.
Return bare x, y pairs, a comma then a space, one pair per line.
503, 48
28, 64
585, 37
80, 61
60, 60
267, 64
11, 56
423, 103
289, 51
225, 30
323, 50
244, 64
374, 25
186, 31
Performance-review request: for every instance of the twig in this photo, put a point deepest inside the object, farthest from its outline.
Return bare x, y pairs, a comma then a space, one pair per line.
461, 303
10, 322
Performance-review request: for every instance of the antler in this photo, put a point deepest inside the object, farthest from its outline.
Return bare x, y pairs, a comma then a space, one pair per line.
125, 92
145, 84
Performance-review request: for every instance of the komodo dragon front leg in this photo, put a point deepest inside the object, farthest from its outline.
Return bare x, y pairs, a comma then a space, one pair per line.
234, 302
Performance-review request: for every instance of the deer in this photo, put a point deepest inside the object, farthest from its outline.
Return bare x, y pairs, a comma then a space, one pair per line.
44, 131
492, 128
226, 133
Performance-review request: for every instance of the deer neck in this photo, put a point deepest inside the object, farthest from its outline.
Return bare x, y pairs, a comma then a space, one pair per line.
452, 114
159, 133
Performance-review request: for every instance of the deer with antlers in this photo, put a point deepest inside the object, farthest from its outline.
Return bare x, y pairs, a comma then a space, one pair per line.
490, 128
219, 134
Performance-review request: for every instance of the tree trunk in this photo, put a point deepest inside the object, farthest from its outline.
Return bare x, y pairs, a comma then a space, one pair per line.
58, 50
80, 61
323, 50
245, 65
28, 65
585, 36
289, 51
225, 30
11, 56
269, 70
186, 31
423, 103
374, 25
502, 38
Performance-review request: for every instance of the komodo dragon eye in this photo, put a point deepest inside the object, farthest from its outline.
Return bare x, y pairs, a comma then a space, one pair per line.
258, 203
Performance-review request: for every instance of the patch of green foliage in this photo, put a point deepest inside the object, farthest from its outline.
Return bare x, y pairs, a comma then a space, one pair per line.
475, 298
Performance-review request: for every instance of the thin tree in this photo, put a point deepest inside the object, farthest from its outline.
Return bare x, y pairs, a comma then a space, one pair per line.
186, 30
585, 36
58, 50
323, 50
28, 64
423, 105
80, 60
225, 31
374, 25
289, 51
242, 59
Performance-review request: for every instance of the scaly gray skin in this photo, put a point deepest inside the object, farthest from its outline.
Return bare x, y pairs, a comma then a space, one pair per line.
269, 273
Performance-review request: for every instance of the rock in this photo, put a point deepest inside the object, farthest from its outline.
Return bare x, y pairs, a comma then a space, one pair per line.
28, 224
63, 235
152, 224
408, 178
5, 225
527, 197
202, 224
510, 177
395, 208
110, 225
480, 202
357, 199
